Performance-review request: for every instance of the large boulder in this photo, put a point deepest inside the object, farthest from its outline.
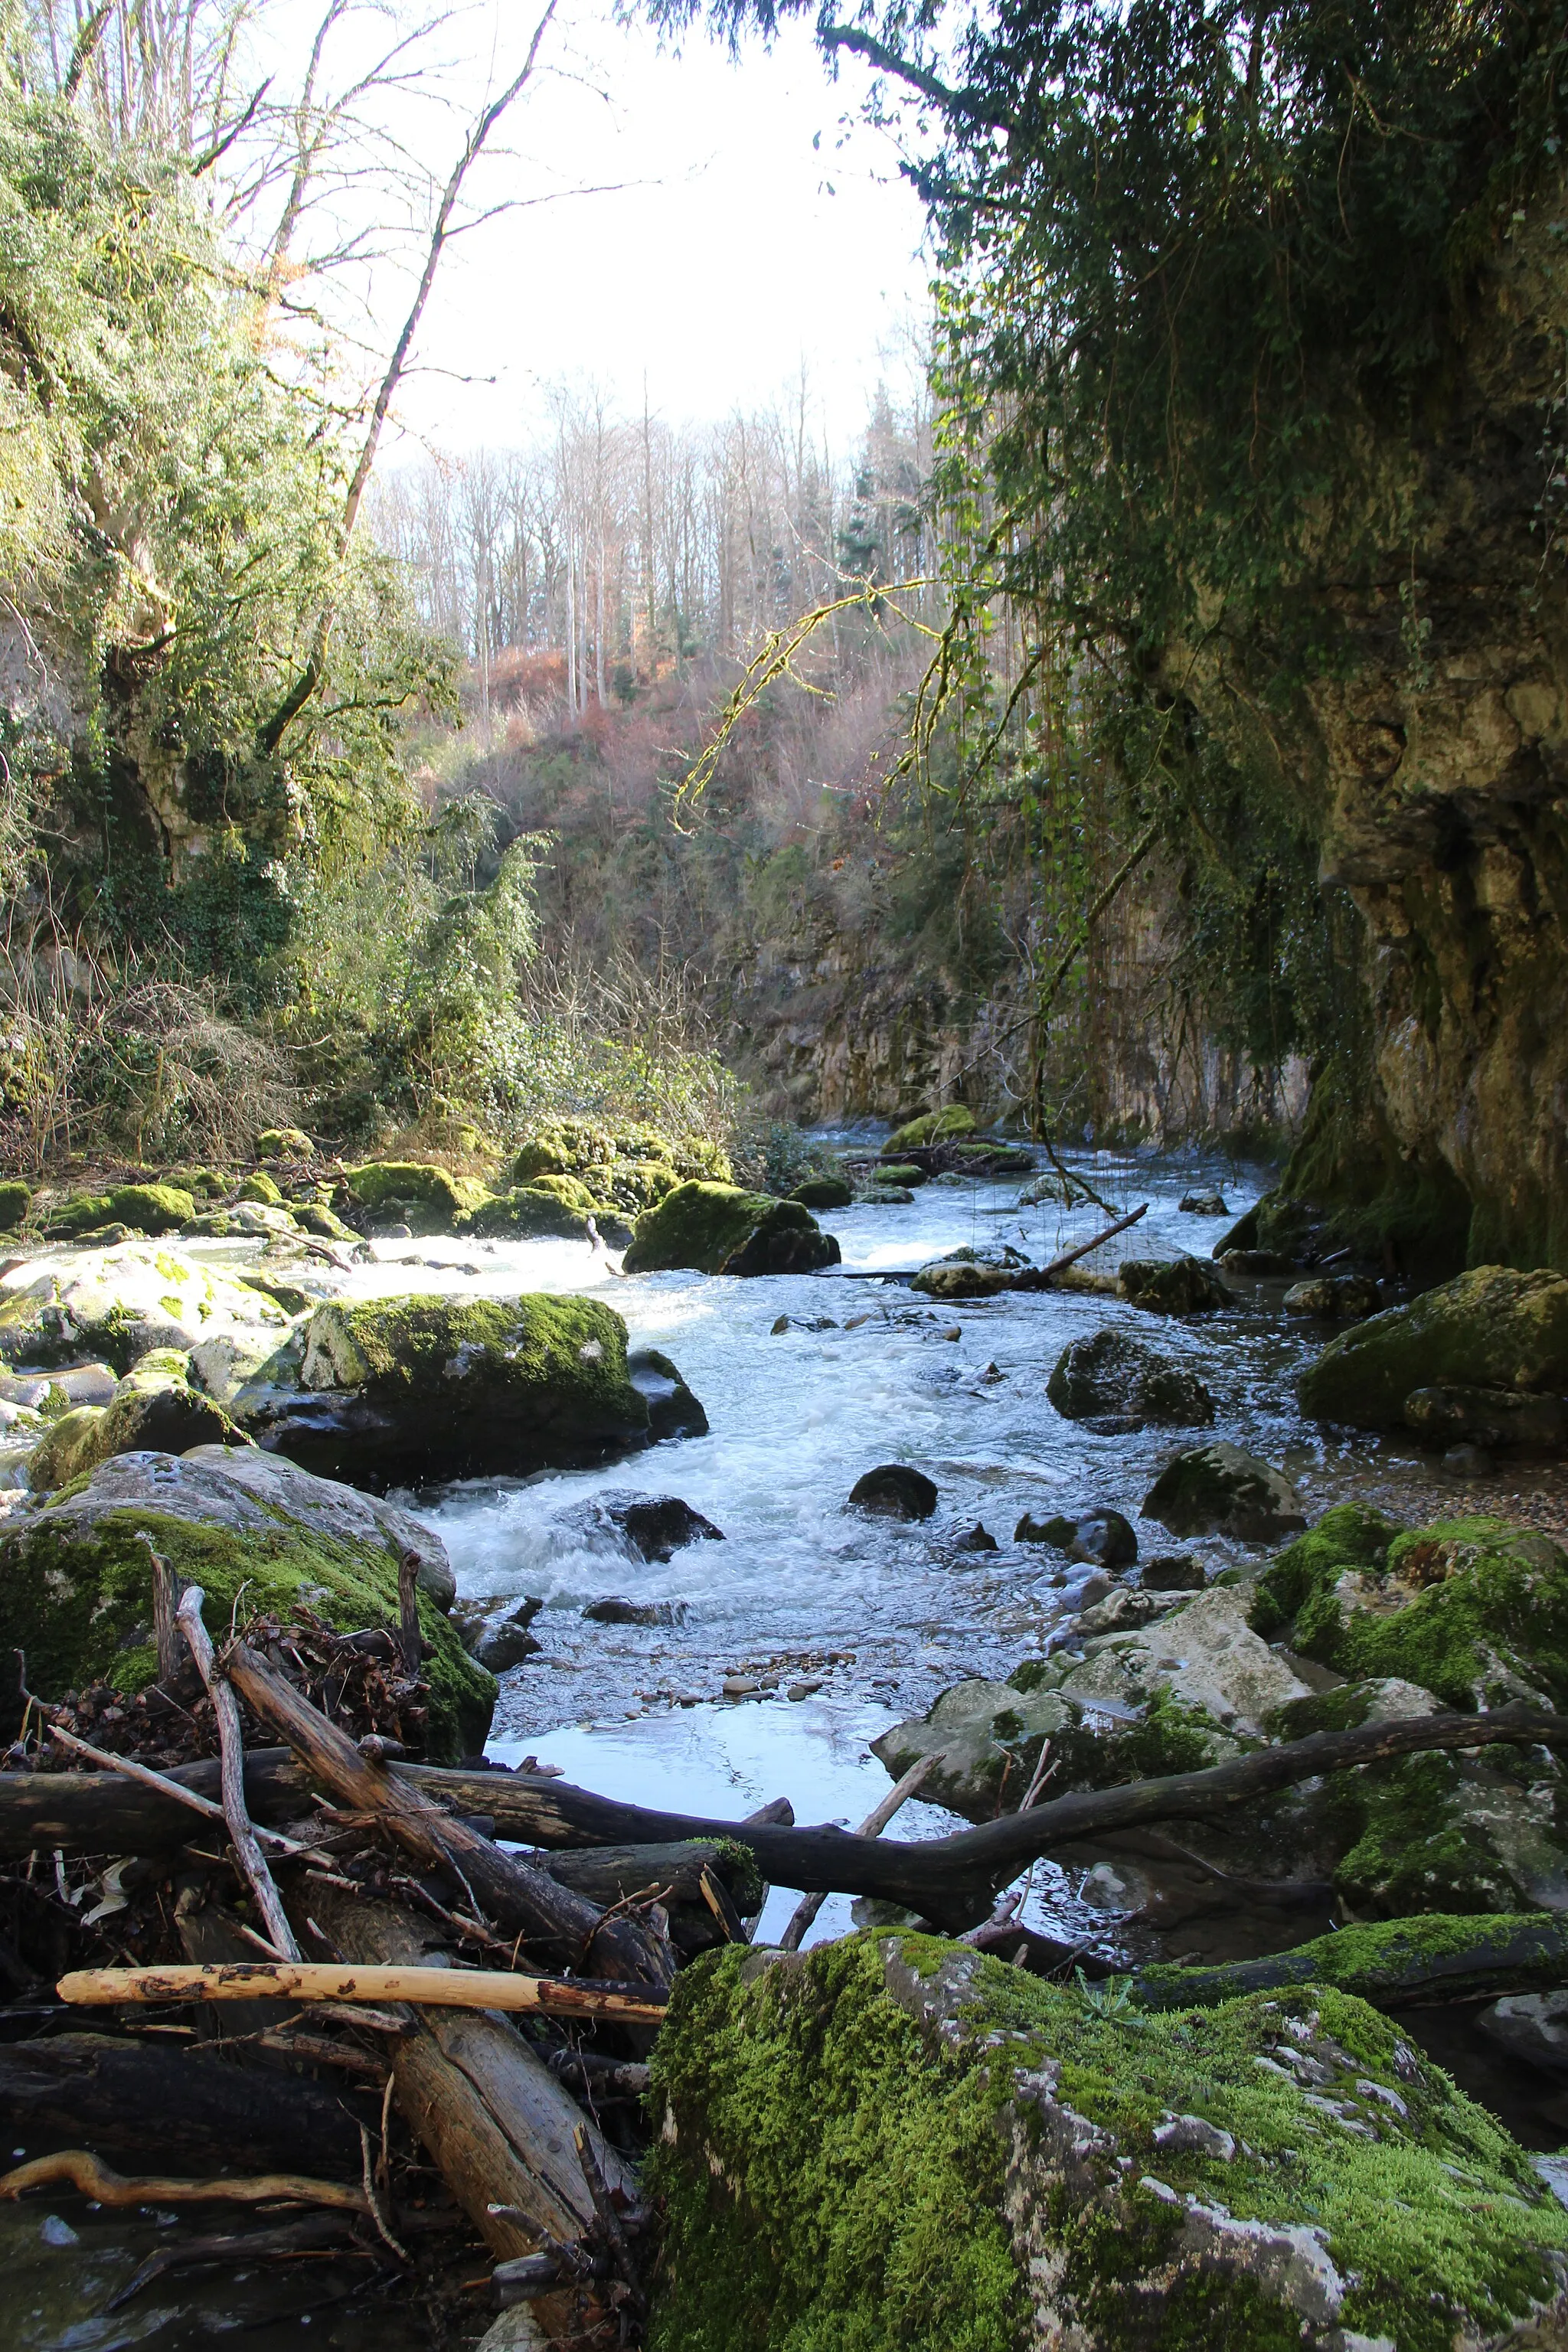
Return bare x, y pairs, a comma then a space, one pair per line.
1219, 1489
154, 1409
897, 2144
1111, 1377
76, 1584
949, 1125
721, 1229
638, 1527
427, 1199
1452, 1415
824, 1193
1182, 1285
1493, 1327
400, 1391
123, 1303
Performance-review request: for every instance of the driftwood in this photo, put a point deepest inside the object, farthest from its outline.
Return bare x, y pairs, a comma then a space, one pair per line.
92, 2179
174, 1789
231, 1776
320, 1980
558, 1925
804, 1915
488, 2111
312, 2234
99, 2087
950, 1880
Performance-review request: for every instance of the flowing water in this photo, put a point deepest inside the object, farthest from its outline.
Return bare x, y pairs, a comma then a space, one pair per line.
881, 1616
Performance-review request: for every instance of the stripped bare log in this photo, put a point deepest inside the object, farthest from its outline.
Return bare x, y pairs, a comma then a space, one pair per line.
327, 1980
527, 1903
805, 1912
86, 2173
231, 1745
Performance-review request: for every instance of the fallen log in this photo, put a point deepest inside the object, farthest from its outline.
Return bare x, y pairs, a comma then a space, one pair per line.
85, 2173
557, 1924
324, 1980
951, 1880
103, 2089
488, 2110
1394, 1964
312, 2234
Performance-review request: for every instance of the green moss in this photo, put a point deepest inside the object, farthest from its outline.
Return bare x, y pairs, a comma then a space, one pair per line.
1168, 1736
1474, 1610
151, 1208
66, 1219
931, 1126
895, 1171
1387, 1959
283, 1144
535, 1211
1492, 1328
260, 1188
708, 1226
567, 1355
836, 2174
78, 1600
15, 1201
429, 1197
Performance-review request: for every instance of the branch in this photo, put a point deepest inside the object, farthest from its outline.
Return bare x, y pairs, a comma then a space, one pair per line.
86, 42
220, 147
967, 103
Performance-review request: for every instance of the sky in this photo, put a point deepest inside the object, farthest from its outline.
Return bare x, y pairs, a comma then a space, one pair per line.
749, 231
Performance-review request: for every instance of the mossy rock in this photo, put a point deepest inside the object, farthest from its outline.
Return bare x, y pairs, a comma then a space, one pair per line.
430, 1200
1111, 1375
119, 1303
933, 1126
16, 1200
532, 1212
154, 1410
262, 1189
76, 1584
1386, 1961
721, 1229
151, 1208
315, 1217
283, 1144
1219, 1489
903, 1172
65, 1219
825, 1193
1474, 1610
1182, 1286
403, 1390
562, 1147
894, 2144
1492, 1328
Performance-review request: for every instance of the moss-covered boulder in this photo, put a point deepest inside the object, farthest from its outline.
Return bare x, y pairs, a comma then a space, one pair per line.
949, 1125
76, 1584
16, 1200
399, 1391
897, 2145
825, 1193
1219, 1489
550, 1207
262, 1188
631, 1165
283, 1144
721, 1229
121, 1303
1109, 1377
151, 1208
428, 1198
1493, 1327
154, 1409
316, 1217
83, 1212
1182, 1286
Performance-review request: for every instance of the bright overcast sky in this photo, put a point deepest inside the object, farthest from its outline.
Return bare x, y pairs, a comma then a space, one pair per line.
736, 250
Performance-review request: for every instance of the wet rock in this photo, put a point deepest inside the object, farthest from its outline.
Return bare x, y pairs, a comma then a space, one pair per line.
645, 1527
53, 1392
1184, 1286
1203, 1205
119, 1303
505, 1642
1046, 2213
1219, 1489
616, 1611
719, 1229
1124, 1612
902, 1174
76, 1584
1111, 1377
427, 1199
1495, 1419
1468, 1461
1532, 2026
825, 1193
886, 1196
398, 1390
1254, 1263
315, 1217
1103, 1538
153, 1409
1202, 1652
807, 1689
1047, 1188
673, 1410
1174, 1571
931, 1126
986, 1737
965, 1280
978, 1538
1344, 1298
1493, 1327
893, 1491
802, 1323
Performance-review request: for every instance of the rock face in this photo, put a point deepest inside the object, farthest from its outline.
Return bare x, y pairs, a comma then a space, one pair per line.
719, 1229
1492, 1328
405, 1389
899, 2144
1219, 1489
121, 1304
640, 1527
76, 1590
1185, 1286
1114, 1379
